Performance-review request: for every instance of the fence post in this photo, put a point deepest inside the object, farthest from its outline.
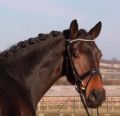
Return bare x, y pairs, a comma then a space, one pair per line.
93, 113
107, 106
74, 104
61, 114
72, 114
41, 114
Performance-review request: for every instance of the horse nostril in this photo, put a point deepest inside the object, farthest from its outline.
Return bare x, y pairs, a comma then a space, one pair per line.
94, 95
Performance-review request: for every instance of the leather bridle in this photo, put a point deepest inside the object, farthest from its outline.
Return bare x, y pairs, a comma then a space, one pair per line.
79, 78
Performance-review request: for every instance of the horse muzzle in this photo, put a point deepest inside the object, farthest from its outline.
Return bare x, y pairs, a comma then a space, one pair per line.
95, 98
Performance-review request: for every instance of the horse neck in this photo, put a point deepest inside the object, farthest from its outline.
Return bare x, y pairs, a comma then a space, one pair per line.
37, 71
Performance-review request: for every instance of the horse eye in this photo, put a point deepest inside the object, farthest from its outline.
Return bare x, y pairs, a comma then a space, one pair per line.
75, 54
99, 55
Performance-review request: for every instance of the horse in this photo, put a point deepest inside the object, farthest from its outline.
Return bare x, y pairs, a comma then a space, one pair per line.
29, 68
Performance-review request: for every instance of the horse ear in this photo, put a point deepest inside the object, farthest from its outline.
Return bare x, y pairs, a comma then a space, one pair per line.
73, 29
95, 31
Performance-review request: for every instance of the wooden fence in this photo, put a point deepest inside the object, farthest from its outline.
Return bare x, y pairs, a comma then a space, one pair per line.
71, 105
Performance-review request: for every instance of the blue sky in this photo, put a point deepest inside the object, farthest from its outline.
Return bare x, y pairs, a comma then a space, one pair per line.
22, 19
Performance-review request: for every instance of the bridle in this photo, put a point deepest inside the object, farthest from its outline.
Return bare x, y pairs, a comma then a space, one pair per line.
79, 78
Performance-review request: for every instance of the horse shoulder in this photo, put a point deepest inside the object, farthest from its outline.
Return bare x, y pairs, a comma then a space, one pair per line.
24, 109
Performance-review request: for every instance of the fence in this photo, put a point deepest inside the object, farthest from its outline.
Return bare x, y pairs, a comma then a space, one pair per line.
54, 105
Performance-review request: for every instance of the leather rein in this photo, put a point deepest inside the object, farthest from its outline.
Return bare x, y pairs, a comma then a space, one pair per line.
79, 78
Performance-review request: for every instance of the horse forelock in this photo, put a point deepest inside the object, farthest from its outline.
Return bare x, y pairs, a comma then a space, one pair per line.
82, 33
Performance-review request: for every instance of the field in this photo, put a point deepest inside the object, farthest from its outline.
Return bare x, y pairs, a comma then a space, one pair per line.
72, 106
65, 101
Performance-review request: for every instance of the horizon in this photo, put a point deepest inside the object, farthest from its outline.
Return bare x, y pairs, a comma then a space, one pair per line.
21, 20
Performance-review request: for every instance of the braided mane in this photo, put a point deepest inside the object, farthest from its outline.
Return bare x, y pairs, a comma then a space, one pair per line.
15, 49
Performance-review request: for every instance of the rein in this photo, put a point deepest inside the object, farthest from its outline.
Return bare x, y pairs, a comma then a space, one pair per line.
79, 78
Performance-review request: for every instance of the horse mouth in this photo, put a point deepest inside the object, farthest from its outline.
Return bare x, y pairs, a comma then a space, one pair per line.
95, 104
95, 101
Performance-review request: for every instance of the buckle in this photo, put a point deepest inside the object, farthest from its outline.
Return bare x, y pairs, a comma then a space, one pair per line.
79, 86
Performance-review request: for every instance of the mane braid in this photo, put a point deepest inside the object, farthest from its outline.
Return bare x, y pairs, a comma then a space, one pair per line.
24, 44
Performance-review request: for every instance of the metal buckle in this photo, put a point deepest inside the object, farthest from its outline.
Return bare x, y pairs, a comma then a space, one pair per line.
79, 86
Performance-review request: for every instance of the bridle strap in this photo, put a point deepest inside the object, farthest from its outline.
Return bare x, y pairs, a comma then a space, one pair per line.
84, 103
88, 73
78, 39
71, 62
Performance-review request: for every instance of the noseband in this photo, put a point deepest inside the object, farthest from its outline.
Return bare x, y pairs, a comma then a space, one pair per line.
79, 78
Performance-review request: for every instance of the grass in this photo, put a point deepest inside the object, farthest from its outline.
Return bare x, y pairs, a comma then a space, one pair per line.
76, 114
74, 108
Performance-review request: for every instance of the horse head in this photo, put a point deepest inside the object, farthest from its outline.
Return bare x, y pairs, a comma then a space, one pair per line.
83, 58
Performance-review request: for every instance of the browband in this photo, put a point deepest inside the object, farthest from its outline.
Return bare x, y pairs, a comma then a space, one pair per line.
86, 40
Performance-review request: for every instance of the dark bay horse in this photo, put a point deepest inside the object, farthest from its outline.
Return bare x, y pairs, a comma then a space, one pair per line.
30, 68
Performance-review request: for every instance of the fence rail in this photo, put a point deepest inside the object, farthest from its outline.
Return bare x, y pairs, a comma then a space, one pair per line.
51, 105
